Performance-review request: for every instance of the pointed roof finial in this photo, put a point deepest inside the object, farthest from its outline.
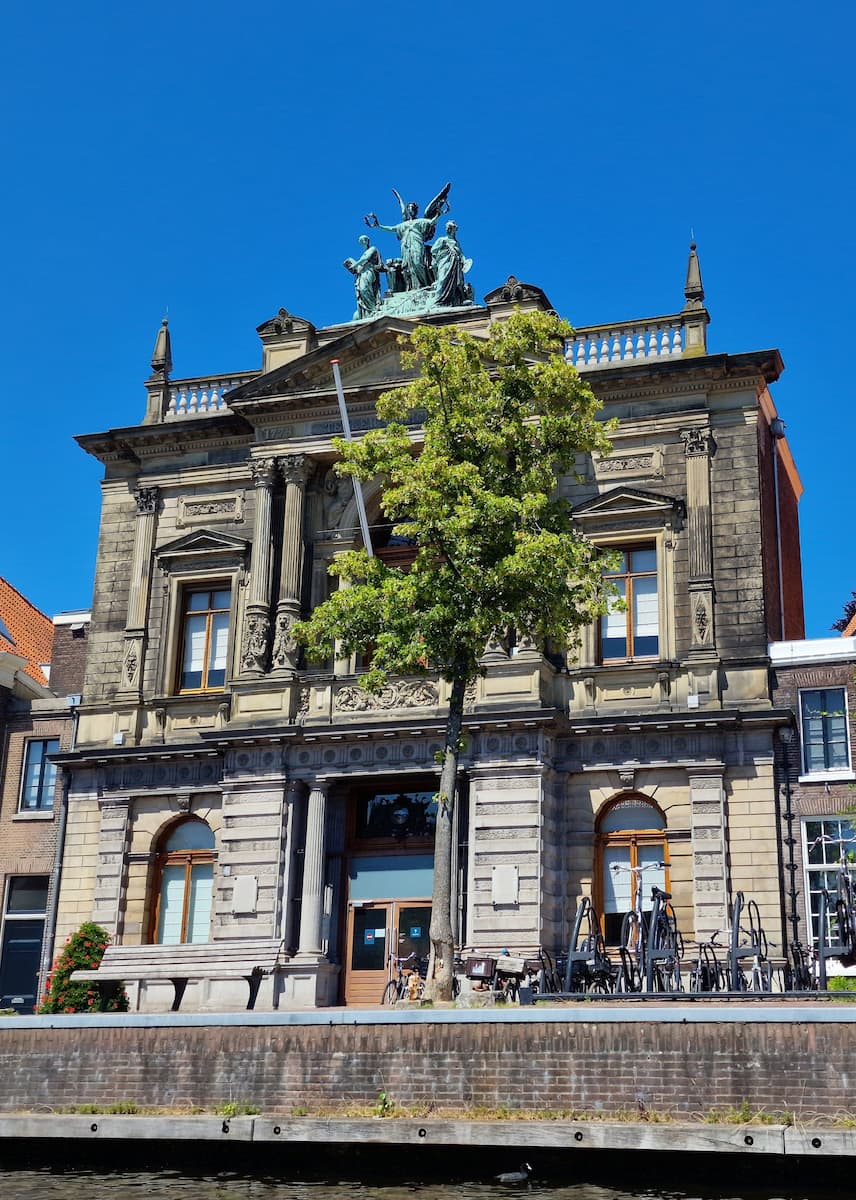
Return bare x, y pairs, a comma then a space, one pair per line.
693, 288
162, 353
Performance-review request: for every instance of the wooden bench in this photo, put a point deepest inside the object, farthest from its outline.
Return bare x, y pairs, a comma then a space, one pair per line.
251, 959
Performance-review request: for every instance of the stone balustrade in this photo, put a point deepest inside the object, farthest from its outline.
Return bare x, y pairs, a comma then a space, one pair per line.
202, 396
594, 347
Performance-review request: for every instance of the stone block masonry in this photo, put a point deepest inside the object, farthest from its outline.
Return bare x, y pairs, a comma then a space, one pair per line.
681, 1060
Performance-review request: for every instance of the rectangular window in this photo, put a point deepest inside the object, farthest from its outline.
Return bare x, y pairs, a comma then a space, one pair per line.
823, 725
633, 629
38, 782
205, 639
826, 844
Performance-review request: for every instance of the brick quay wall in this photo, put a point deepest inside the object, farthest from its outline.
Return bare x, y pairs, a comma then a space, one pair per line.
684, 1061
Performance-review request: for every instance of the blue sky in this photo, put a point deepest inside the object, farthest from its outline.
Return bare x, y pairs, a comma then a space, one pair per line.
217, 160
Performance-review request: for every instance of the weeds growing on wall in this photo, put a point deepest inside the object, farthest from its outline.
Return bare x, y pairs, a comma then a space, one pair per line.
83, 951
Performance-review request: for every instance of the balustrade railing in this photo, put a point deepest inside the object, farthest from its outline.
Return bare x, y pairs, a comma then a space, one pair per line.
203, 395
596, 346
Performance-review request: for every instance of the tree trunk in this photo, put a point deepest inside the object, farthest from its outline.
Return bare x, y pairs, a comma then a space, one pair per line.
441, 960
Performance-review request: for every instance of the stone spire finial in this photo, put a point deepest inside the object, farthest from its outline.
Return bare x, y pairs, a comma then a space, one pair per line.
162, 353
693, 288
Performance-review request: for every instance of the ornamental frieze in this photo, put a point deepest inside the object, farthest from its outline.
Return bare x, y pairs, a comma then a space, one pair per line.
400, 694
208, 509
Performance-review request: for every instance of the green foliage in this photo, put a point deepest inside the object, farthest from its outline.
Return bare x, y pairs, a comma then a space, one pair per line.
384, 1106
841, 983
82, 951
236, 1109
502, 418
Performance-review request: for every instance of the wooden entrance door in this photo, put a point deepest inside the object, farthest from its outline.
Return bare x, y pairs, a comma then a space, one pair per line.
378, 929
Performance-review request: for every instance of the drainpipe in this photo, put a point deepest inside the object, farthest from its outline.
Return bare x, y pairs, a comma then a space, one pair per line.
786, 736
777, 429
56, 870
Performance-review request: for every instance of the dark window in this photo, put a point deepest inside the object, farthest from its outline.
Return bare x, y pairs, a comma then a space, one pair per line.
633, 629
204, 639
825, 744
396, 815
39, 779
21, 943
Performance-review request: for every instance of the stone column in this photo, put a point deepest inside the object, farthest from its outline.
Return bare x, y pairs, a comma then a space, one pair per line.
293, 795
256, 635
295, 471
134, 647
710, 875
699, 446
314, 856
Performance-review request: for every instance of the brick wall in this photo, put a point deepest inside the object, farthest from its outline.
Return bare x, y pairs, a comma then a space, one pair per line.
68, 659
683, 1068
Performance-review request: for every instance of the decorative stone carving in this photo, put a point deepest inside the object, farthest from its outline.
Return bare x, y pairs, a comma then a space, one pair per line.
697, 442
295, 468
132, 662
208, 509
263, 471
665, 681
182, 803
254, 648
470, 695
627, 779
701, 620
399, 694
337, 497
147, 500
302, 706
285, 645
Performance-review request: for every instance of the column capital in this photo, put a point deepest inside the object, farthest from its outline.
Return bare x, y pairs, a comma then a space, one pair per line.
698, 442
295, 468
147, 500
263, 471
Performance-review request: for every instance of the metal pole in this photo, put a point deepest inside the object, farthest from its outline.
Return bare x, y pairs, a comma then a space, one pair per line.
358, 487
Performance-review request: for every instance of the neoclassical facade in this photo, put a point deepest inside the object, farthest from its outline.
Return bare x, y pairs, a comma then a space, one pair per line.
222, 789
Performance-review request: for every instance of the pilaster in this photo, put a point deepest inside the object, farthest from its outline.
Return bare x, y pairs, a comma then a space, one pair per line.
312, 906
295, 471
108, 901
134, 642
255, 642
698, 447
710, 875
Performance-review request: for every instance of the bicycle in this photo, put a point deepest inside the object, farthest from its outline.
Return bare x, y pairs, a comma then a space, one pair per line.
406, 984
844, 909
708, 974
634, 931
587, 965
760, 977
665, 946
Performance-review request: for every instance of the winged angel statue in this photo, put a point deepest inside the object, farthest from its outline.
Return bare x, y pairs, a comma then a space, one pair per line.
414, 232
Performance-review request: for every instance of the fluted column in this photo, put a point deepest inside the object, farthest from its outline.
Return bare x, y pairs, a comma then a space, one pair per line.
133, 651
698, 447
256, 634
313, 872
295, 471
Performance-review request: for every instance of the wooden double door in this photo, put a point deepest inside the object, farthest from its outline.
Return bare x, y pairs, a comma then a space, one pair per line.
377, 931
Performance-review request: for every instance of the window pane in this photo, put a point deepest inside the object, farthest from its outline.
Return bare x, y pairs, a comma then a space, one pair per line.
194, 652
222, 599
824, 730
190, 835
219, 642
198, 601
617, 885
621, 568
199, 907
645, 616
27, 894
171, 906
643, 560
614, 627
631, 815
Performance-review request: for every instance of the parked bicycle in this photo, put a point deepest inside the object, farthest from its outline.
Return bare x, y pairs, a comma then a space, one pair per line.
708, 973
842, 907
408, 982
650, 945
749, 966
587, 966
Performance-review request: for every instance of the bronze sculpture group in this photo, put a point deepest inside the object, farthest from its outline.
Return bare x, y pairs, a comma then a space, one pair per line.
424, 276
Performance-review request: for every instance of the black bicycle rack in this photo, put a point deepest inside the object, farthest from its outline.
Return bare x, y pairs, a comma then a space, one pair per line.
587, 959
754, 949
664, 945
826, 948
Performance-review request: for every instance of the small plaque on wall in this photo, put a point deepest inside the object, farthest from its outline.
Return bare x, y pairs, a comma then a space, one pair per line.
505, 885
245, 894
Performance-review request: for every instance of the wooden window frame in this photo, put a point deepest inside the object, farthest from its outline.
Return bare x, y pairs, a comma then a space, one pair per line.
41, 806
174, 858
629, 576
193, 588
631, 839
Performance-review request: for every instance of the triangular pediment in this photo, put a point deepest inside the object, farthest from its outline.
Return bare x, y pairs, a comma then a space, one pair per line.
368, 354
629, 502
203, 542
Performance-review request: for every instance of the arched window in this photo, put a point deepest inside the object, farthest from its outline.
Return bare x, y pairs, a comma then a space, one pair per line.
630, 835
184, 884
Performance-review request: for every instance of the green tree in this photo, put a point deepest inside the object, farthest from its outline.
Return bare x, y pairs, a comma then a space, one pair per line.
83, 951
499, 419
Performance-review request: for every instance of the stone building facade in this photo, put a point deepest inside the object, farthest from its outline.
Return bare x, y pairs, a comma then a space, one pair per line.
221, 789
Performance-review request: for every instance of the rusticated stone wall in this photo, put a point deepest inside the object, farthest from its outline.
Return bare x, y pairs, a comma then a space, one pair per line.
682, 1068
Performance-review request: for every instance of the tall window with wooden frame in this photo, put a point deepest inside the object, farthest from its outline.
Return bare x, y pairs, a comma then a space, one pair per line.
631, 628
184, 884
204, 638
631, 854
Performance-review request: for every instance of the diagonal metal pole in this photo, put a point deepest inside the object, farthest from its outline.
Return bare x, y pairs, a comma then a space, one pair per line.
358, 487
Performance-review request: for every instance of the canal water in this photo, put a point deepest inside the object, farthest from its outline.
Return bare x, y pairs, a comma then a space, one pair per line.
625, 1178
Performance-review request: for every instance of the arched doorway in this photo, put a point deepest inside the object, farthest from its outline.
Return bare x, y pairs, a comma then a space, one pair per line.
631, 833
184, 884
